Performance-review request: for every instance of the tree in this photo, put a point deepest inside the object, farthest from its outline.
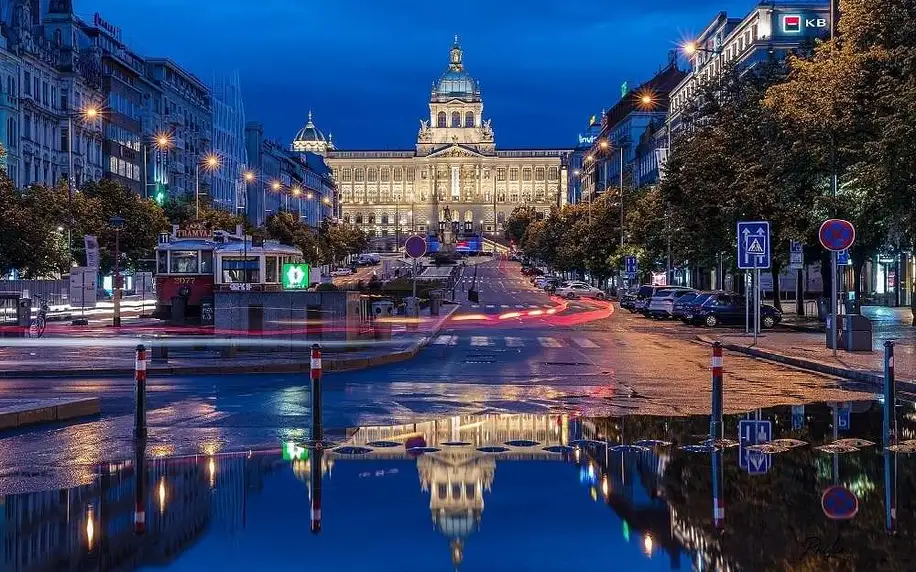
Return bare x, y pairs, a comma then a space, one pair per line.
94, 207
183, 210
32, 227
518, 222
286, 227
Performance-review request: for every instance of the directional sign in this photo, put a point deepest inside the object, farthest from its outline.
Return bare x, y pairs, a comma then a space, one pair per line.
837, 234
842, 257
294, 276
753, 245
839, 503
415, 247
751, 432
796, 255
798, 417
630, 267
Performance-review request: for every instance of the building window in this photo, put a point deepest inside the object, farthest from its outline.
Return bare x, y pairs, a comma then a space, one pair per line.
345, 175
346, 218
441, 120
539, 174
358, 173
372, 219
384, 219
501, 174
359, 218
384, 174
27, 126
397, 173
469, 119
456, 119
411, 173
526, 174
513, 174
27, 83
552, 173
372, 175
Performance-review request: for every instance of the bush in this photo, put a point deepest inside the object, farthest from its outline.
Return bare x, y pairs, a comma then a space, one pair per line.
326, 288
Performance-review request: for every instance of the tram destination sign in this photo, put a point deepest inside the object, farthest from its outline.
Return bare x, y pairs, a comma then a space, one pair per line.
197, 229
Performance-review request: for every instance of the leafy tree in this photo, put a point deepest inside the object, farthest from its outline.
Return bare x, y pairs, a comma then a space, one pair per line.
519, 220
182, 210
32, 227
288, 229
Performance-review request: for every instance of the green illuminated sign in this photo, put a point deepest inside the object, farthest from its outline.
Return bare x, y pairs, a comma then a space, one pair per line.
295, 276
293, 452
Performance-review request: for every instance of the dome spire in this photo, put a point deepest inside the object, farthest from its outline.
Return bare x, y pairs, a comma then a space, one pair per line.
310, 124
455, 59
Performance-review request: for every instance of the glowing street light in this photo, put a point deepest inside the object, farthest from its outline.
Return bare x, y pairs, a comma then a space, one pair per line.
275, 186
210, 162
248, 176
603, 144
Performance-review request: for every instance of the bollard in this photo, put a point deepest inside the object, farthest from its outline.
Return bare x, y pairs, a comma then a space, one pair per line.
718, 503
140, 397
140, 488
890, 396
890, 492
315, 489
317, 432
715, 419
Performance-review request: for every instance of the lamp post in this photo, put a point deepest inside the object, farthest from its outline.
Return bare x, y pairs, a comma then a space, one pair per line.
89, 113
161, 142
210, 162
117, 223
275, 186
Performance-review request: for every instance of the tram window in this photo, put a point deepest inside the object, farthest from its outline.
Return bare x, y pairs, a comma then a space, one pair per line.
206, 262
240, 270
162, 262
184, 262
270, 270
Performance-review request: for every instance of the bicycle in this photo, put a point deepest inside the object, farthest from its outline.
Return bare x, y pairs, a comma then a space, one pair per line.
37, 324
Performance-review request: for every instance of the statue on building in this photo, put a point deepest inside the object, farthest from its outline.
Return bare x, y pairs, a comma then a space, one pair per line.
425, 134
486, 131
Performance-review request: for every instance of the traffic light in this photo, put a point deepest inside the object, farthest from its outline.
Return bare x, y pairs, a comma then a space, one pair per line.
160, 194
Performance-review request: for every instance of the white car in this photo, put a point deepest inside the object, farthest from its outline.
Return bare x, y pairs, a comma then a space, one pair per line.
342, 272
661, 305
573, 290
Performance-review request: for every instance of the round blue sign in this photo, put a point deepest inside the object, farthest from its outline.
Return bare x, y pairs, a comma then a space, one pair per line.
839, 503
415, 247
837, 234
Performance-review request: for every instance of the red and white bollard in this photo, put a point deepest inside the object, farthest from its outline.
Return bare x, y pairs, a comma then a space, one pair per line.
315, 489
317, 432
140, 395
715, 419
140, 487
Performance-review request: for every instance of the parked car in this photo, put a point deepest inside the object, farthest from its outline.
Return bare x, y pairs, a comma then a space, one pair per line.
342, 272
729, 308
689, 303
627, 300
575, 290
661, 305
532, 271
643, 295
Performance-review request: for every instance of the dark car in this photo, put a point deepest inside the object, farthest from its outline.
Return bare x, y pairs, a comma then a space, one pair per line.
628, 301
685, 301
731, 309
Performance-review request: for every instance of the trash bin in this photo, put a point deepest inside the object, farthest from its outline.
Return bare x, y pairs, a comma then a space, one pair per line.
24, 312
160, 348
435, 301
382, 312
855, 333
179, 309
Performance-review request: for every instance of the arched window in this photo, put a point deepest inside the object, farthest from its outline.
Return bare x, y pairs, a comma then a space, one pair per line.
359, 218
441, 120
456, 119
468, 216
384, 219
372, 174
372, 219
358, 175
345, 175
469, 119
347, 218
500, 217
384, 174
397, 173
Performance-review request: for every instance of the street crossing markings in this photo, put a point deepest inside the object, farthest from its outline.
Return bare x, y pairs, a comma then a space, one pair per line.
585, 343
445, 340
504, 305
550, 342
480, 341
533, 306
520, 306
513, 342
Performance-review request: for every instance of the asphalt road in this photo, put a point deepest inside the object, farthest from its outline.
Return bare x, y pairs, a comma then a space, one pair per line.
479, 363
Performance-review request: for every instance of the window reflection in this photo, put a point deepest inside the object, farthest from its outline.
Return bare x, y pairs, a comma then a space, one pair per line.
184, 262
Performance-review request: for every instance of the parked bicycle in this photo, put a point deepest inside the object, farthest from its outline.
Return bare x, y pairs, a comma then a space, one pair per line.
37, 324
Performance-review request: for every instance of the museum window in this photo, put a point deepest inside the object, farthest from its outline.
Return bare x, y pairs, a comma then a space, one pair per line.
384, 219
552, 173
372, 219
513, 174
372, 175
345, 175
411, 173
456, 119
526, 174
469, 119
358, 175
501, 174
396, 173
346, 219
359, 219
500, 217
539, 174
385, 174
441, 120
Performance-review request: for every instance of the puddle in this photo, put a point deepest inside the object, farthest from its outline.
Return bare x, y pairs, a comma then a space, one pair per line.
500, 492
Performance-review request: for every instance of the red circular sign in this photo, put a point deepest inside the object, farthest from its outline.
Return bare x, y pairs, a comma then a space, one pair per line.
415, 247
837, 234
839, 503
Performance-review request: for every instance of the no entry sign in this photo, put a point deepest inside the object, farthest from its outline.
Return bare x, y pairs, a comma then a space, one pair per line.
839, 503
837, 234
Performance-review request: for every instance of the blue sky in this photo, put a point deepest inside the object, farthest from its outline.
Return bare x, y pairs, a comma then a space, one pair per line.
365, 67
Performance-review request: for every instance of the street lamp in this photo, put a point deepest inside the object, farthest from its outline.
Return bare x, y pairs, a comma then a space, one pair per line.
211, 163
117, 223
87, 113
162, 141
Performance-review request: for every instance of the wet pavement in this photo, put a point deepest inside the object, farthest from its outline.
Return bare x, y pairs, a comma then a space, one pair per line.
494, 492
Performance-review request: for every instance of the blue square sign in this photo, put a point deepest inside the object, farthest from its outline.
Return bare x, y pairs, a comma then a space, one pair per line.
753, 245
751, 432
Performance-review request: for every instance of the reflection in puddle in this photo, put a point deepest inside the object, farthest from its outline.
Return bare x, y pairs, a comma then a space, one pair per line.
502, 492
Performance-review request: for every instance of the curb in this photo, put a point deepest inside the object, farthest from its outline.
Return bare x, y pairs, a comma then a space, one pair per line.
864, 376
48, 412
341, 364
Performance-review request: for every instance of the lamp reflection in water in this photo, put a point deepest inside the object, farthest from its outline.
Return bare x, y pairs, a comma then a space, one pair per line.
162, 496
211, 469
648, 544
90, 529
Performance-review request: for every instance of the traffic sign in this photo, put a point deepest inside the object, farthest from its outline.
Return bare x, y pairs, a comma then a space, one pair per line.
796, 255
842, 417
798, 417
415, 247
294, 276
752, 432
630, 266
837, 234
842, 257
753, 245
839, 503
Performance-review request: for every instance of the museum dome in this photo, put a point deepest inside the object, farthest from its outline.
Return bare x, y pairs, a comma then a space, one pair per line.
310, 139
310, 133
456, 82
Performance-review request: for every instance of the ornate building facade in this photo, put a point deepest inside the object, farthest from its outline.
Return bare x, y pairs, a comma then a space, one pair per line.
455, 176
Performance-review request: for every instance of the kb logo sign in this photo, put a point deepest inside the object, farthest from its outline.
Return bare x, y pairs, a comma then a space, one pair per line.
796, 23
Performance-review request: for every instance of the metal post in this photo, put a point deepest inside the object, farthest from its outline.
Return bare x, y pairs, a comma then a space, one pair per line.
747, 302
116, 319
70, 181
197, 192
315, 489
756, 304
140, 430
833, 297
890, 396
140, 488
414, 294
890, 491
715, 418
718, 503
621, 199
317, 431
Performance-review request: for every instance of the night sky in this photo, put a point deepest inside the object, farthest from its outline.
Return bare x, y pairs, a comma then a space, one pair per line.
365, 67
